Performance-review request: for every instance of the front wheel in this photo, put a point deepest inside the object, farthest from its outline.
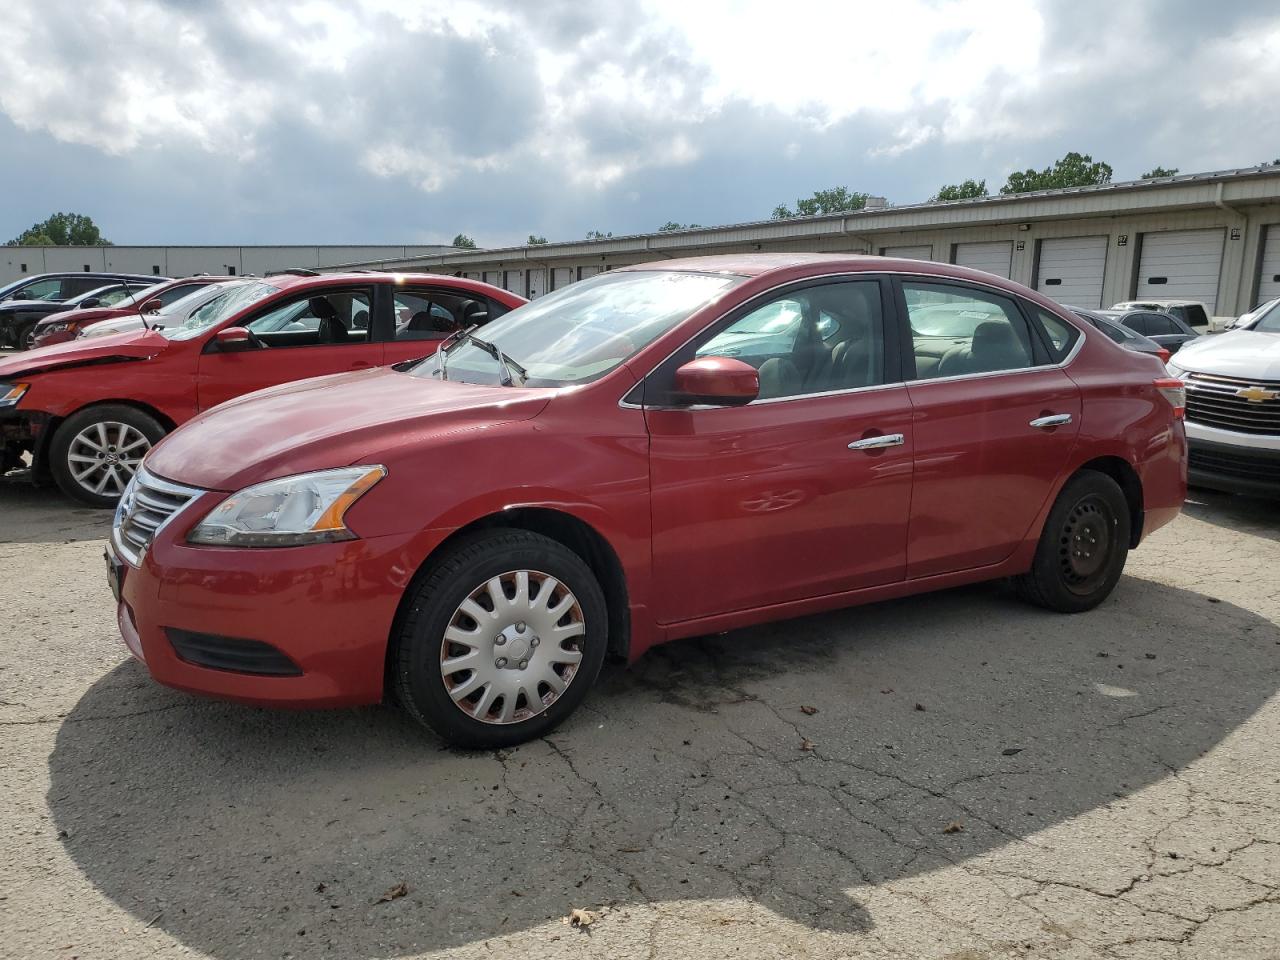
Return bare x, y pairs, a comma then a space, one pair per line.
502, 640
1082, 548
25, 337
96, 452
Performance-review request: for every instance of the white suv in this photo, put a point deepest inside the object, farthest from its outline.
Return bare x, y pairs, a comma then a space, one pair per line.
1233, 407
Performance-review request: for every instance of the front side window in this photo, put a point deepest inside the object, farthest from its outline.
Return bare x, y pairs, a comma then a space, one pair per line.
329, 318
112, 297
582, 332
78, 286
1159, 325
814, 340
48, 289
958, 330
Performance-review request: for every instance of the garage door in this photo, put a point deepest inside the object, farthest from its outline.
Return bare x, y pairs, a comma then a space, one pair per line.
908, 253
1181, 264
990, 257
561, 277
513, 280
1269, 281
493, 277
584, 272
537, 284
1070, 270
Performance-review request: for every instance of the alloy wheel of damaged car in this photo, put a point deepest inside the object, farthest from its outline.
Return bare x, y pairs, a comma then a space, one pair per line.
502, 640
27, 337
96, 452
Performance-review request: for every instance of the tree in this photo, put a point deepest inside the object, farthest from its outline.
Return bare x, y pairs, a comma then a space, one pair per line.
831, 200
62, 230
671, 226
1159, 172
597, 235
962, 191
533, 241
1073, 170
462, 240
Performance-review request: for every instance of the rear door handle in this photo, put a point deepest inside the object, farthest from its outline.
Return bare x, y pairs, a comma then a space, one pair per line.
1055, 420
877, 443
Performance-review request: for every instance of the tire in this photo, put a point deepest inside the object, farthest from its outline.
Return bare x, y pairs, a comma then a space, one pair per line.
1082, 548
22, 336
492, 706
96, 433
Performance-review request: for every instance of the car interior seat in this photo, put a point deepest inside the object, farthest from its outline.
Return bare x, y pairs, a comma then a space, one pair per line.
331, 329
995, 346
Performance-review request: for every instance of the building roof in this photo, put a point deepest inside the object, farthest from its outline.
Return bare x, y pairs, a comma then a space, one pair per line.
1183, 191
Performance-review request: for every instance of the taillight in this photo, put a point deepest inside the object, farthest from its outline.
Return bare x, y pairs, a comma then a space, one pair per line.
1175, 392
1164, 355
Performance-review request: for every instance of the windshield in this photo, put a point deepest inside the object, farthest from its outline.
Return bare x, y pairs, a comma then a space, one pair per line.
219, 309
1268, 322
582, 332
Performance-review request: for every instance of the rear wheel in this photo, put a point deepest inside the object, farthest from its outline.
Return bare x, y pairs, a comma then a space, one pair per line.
1082, 548
502, 641
96, 452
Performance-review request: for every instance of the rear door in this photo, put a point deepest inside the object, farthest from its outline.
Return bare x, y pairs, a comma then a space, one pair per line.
994, 421
313, 333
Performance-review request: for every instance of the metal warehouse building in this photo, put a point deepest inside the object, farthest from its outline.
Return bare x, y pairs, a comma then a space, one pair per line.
1209, 236
17, 262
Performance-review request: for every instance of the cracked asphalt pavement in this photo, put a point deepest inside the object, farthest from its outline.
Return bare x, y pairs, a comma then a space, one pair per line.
979, 779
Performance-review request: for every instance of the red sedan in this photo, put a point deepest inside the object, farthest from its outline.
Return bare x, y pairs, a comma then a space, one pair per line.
87, 411
660, 451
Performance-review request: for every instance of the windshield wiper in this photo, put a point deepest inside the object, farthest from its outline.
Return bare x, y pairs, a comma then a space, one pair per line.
505, 363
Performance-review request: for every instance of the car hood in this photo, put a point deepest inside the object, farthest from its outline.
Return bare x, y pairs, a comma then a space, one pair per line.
138, 345
329, 422
80, 316
1238, 353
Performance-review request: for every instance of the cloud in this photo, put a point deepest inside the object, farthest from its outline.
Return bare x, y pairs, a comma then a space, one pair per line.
413, 120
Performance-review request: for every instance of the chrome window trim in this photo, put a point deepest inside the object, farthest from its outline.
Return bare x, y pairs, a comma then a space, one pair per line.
869, 277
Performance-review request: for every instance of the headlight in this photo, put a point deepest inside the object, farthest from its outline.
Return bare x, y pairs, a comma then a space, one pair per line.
288, 512
54, 328
11, 393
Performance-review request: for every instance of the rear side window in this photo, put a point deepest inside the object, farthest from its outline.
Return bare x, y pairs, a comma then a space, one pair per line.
74, 286
1194, 314
1158, 325
433, 314
958, 330
1138, 322
1059, 335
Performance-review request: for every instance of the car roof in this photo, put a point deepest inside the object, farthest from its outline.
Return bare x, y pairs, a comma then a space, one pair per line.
294, 281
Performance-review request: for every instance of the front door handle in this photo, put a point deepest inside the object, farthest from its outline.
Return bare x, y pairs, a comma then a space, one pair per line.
1048, 423
877, 443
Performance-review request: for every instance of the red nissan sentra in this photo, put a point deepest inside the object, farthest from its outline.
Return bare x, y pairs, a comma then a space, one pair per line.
660, 451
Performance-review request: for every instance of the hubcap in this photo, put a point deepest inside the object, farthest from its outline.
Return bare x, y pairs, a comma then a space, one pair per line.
103, 457
512, 647
1085, 545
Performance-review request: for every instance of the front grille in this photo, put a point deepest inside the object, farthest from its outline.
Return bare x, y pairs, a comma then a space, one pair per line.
1240, 466
149, 502
1213, 401
230, 653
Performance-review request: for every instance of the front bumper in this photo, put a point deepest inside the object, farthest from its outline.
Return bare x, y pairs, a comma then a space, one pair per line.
1234, 469
23, 432
328, 608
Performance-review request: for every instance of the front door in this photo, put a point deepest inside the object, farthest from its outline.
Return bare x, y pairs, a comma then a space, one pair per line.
805, 491
994, 423
310, 335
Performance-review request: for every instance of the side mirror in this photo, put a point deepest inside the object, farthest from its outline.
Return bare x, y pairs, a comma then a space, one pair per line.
233, 338
152, 306
91, 302
721, 381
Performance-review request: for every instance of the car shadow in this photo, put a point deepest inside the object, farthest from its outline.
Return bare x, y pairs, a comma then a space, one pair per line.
1253, 515
43, 515
936, 729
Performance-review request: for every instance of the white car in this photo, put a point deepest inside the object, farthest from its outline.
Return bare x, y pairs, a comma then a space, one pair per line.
174, 315
1233, 406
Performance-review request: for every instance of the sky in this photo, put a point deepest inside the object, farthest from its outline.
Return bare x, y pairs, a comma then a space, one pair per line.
388, 121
